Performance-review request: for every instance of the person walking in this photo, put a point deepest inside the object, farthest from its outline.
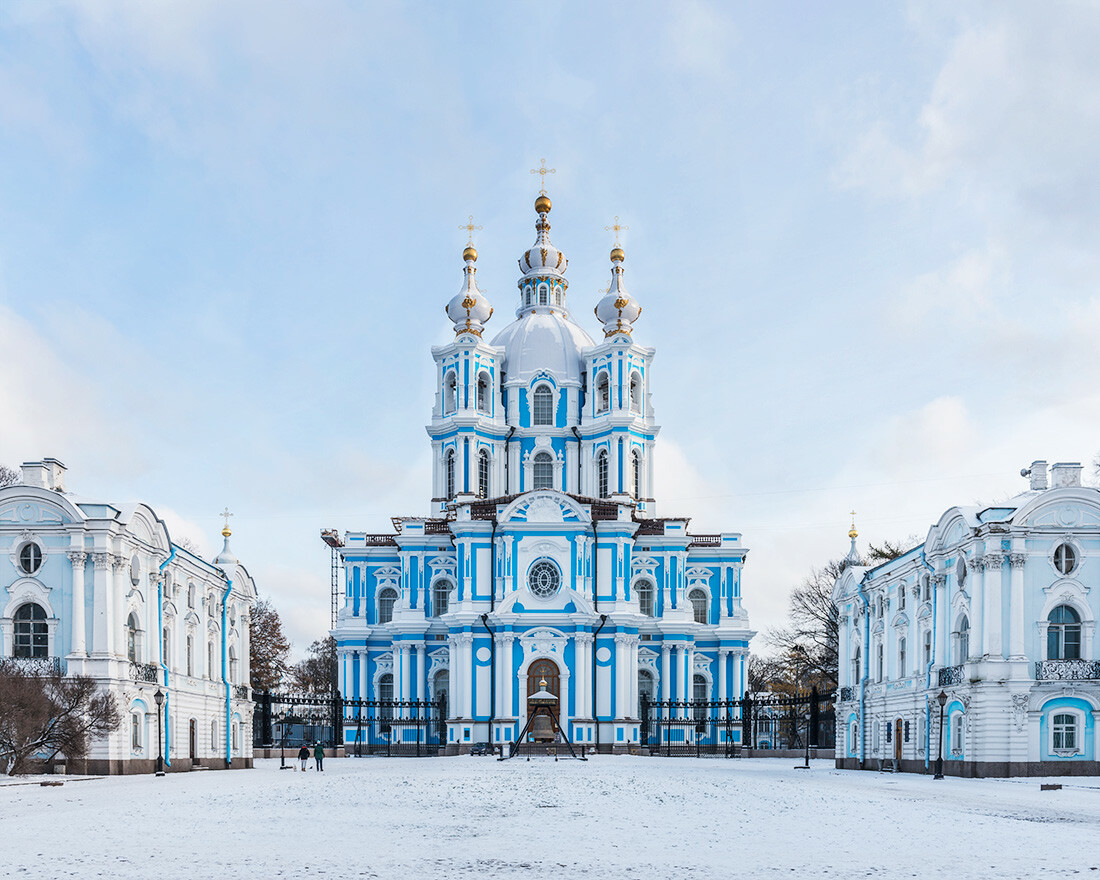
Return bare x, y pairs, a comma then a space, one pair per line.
303, 756
319, 757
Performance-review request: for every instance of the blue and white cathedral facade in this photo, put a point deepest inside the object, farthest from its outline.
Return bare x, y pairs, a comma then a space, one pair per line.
543, 558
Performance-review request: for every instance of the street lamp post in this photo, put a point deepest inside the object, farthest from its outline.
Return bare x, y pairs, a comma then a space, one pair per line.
942, 700
282, 741
800, 668
158, 698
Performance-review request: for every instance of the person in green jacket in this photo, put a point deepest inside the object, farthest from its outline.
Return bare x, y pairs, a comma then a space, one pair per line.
319, 757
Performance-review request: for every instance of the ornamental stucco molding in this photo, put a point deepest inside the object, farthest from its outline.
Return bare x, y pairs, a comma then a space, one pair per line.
1017, 560
101, 560
992, 561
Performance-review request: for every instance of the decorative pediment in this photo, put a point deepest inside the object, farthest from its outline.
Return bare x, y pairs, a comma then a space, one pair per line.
543, 642
388, 576
900, 621
442, 565
438, 660
697, 574
544, 507
1066, 516
24, 511
702, 663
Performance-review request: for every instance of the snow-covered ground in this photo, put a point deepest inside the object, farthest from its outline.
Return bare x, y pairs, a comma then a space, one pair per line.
612, 817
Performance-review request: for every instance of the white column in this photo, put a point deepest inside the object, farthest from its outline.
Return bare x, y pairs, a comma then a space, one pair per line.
943, 618
421, 671
78, 558
100, 602
453, 704
689, 674
1016, 609
621, 662
666, 674
583, 645
406, 672
467, 641
993, 582
632, 679
508, 676
976, 581
723, 657
364, 680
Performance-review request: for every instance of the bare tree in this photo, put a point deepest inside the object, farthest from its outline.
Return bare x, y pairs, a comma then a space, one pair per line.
317, 673
45, 715
268, 646
8, 476
187, 544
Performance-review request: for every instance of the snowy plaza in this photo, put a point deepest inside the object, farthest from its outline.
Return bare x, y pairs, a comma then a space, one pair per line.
610, 817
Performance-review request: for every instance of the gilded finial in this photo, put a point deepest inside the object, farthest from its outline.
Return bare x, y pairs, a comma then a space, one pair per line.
225, 530
853, 534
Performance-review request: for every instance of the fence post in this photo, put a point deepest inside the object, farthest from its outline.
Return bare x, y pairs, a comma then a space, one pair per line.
337, 722
746, 722
815, 719
265, 720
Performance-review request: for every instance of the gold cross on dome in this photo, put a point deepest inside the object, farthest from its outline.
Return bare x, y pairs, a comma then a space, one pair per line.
225, 513
618, 227
542, 171
470, 227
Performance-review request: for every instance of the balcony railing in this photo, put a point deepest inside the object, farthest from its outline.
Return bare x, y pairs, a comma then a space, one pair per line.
146, 672
1067, 670
950, 675
847, 694
240, 691
31, 665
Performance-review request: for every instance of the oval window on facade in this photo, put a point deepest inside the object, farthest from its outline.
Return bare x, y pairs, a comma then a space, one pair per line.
135, 570
30, 558
544, 579
1065, 558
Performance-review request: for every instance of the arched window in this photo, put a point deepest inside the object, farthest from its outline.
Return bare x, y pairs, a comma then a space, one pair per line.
636, 472
1064, 634
544, 295
957, 733
483, 473
236, 737
30, 558
1065, 558
440, 685
962, 641
644, 592
635, 393
132, 638
542, 406
483, 392
385, 696
449, 474
960, 570
856, 667
135, 731
603, 392
1064, 732
441, 592
601, 474
698, 601
901, 658
31, 632
543, 471
450, 393
190, 595
387, 598
191, 655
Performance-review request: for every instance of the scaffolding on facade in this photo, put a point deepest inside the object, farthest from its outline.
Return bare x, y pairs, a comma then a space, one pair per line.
335, 542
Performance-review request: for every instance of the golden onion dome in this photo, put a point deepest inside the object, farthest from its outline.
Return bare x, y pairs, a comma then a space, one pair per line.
617, 254
853, 534
470, 253
542, 204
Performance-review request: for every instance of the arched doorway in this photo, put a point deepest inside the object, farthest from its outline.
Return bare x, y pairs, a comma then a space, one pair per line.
543, 670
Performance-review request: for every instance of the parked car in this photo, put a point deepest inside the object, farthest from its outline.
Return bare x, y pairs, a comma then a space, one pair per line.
482, 748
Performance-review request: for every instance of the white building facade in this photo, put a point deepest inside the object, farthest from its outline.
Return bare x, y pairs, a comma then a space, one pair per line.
997, 611
543, 559
99, 589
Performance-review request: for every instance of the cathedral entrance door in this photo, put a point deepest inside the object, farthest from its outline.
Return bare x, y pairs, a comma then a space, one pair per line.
537, 672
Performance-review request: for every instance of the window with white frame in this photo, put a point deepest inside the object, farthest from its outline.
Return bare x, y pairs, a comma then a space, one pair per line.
880, 662
901, 597
901, 658
700, 690
636, 469
385, 696
135, 731
483, 392
441, 591
927, 648
1065, 558
132, 638
165, 646
644, 591
209, 659
542, 407
602, 474
190, 595
191, 655
1063, 634
234, 668
135, 570
853, 736
483, 473
450, 393
32, 634
925, 588
1064, 732
635, 393
30, 557
957, 721
698, 600
236, 736
386, 600
646, 685
960, 570
962, 641
542, 471
449, 474
856, 667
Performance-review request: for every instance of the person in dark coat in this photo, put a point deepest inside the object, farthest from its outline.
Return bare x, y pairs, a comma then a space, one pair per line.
303, 757
319, 757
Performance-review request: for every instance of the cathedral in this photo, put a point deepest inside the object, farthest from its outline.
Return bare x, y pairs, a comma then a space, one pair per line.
543, 564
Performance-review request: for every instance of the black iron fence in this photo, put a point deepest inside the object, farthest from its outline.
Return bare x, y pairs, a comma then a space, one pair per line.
727, 727
364, 727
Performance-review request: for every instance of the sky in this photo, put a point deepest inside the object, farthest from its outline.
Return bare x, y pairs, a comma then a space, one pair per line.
863, 236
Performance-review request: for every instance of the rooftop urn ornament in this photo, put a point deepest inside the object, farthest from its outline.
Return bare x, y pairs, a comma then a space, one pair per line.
618, 310
469, 309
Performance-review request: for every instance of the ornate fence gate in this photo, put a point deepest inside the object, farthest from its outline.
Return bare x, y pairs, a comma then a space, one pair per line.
364, 727
727, 727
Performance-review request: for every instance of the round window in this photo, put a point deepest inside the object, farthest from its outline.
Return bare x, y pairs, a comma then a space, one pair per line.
30, 558
135, 570
1065, 558
543, 579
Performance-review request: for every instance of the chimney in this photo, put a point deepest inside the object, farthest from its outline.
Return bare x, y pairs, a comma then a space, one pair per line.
1038, 474
46, 474
1065, 474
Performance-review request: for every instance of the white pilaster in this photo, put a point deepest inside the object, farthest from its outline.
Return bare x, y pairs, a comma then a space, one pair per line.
421, 671
1016, 610
78, 558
